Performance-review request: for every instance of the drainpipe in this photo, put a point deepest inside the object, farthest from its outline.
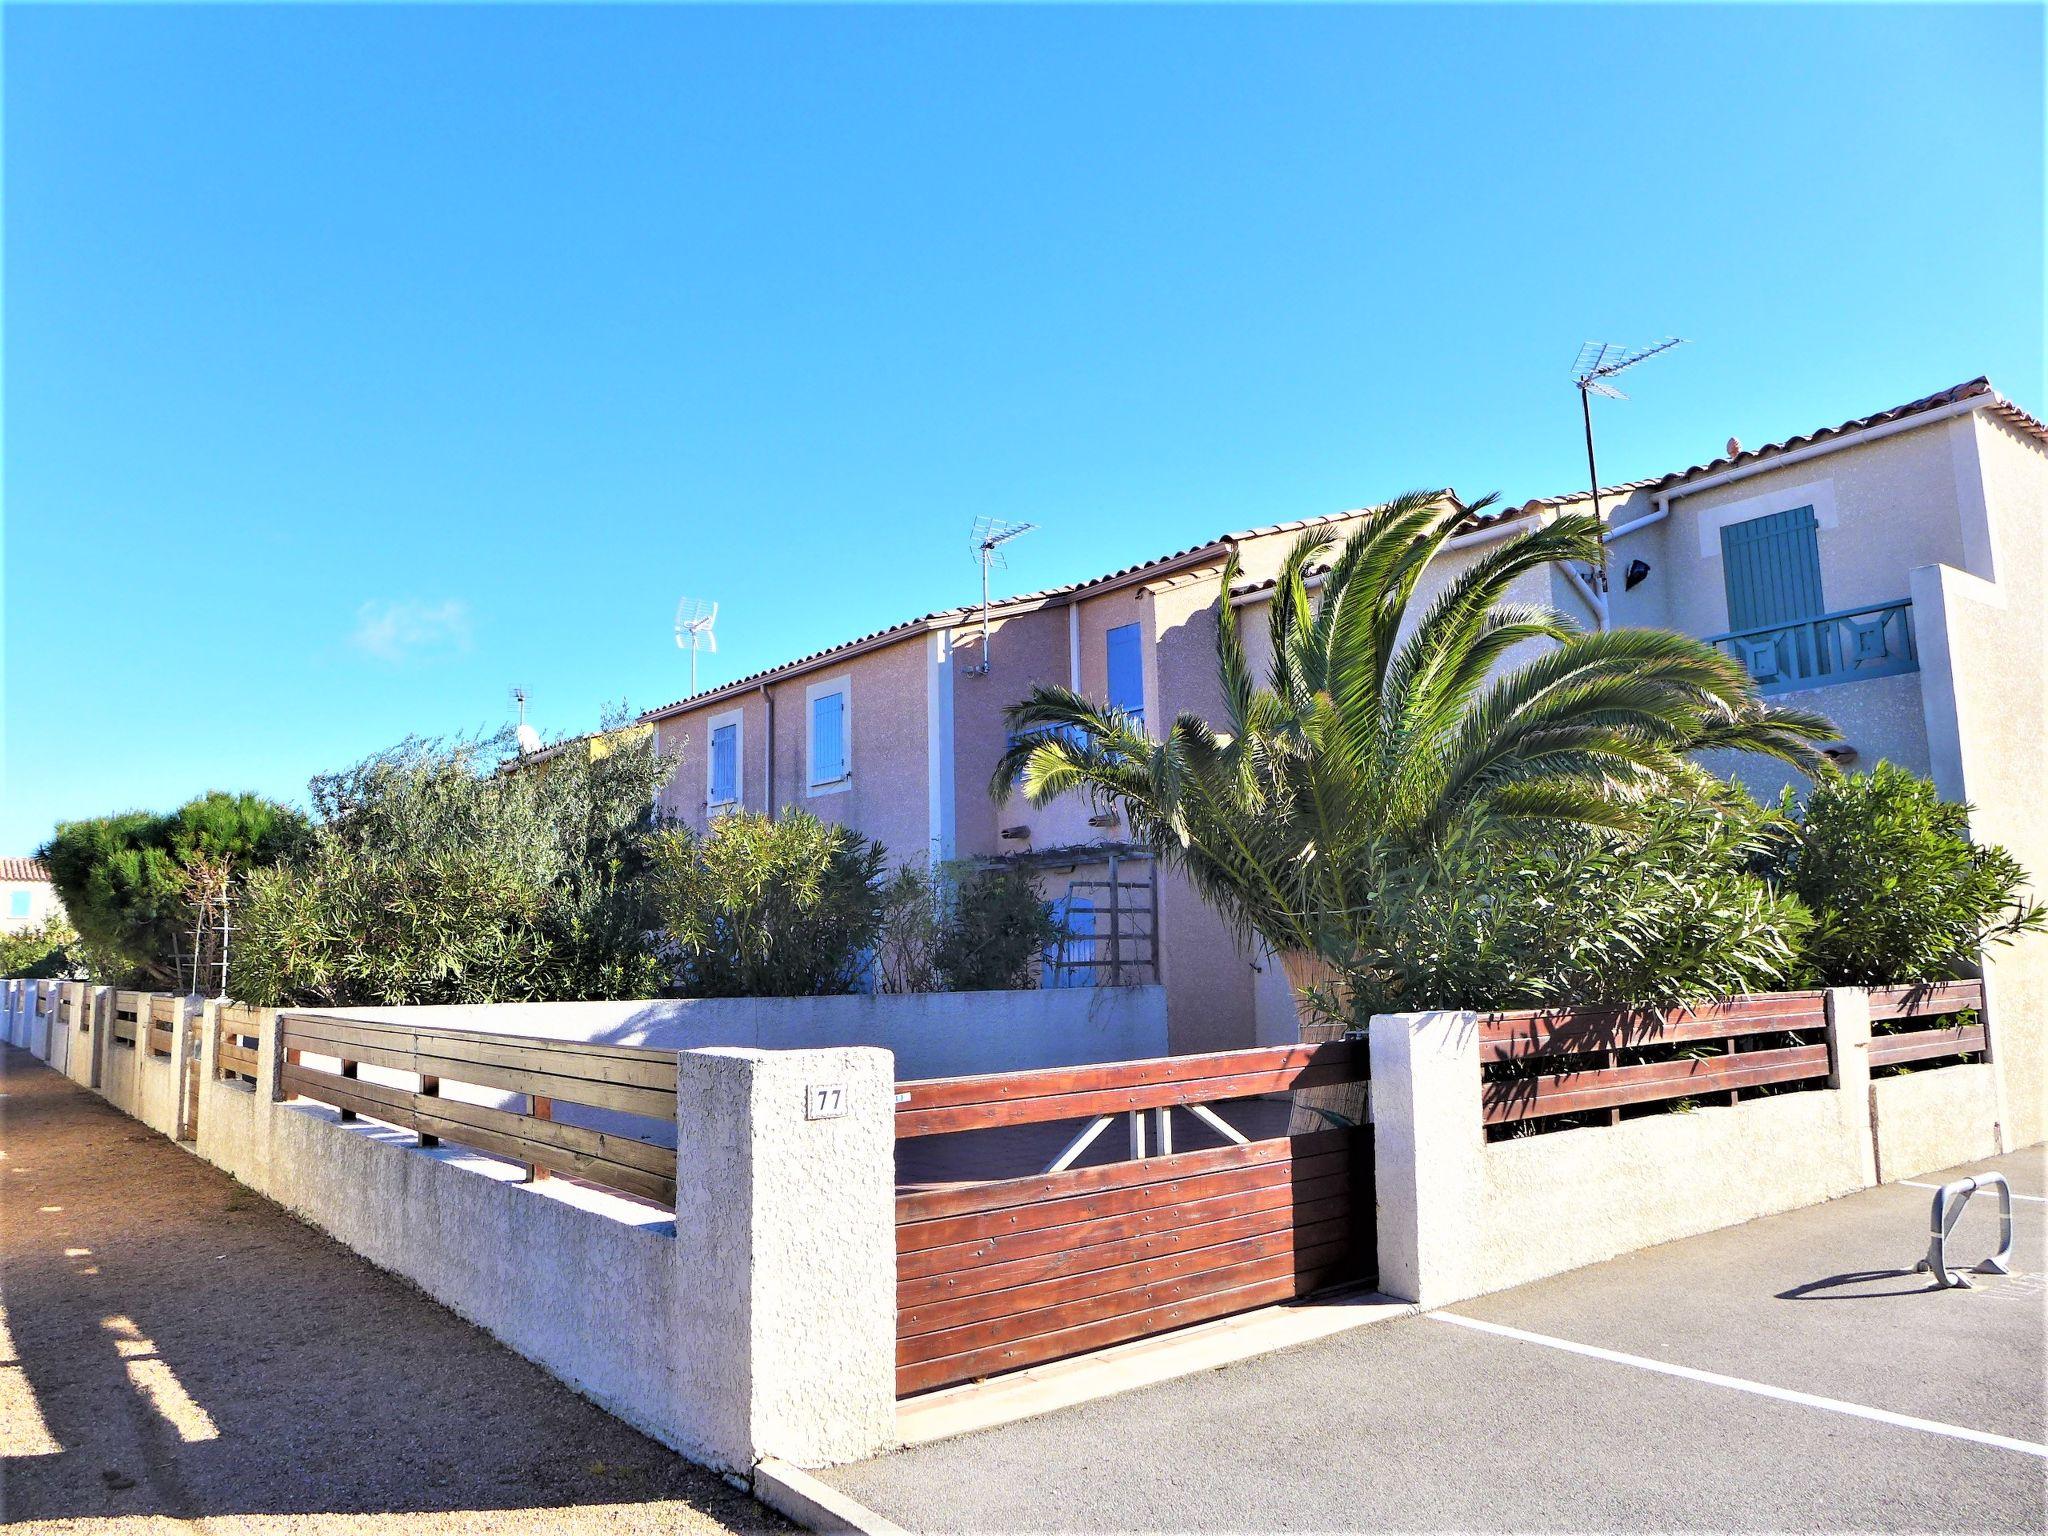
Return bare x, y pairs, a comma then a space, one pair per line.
768, 703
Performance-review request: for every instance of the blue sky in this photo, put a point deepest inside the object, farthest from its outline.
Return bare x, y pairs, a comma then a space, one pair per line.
362, 362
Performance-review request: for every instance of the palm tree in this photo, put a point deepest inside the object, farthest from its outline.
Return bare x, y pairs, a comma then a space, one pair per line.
1379, 735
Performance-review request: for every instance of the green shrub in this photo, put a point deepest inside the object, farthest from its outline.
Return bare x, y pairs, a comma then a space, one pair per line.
1667, 913
1898, 890
43, 953
761, 908
913, 906
432, 878
995, 931
124, 879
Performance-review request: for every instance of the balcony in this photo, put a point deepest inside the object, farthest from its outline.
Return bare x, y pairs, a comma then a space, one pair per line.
1844, 647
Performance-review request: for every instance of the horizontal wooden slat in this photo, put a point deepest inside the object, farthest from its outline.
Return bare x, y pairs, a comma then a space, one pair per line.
639, 1064
1928, 1000
1925, 1044
1288, 1237
234, 1058
463, 1057
1097, 1335
1280, 1210
1172, 1183
1572, 1031
1288, 1263
1343, 1068
1569, 1092
620, 1161
926, 1205
995, 1249
1012, 1098
549, 1078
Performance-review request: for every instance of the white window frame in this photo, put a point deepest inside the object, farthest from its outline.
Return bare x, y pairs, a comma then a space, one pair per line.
737, 719
843, 686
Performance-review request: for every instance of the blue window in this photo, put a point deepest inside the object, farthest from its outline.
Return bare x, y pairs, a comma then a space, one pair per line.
725, 764
828, 736
1127, 671
17, 903
1772, 567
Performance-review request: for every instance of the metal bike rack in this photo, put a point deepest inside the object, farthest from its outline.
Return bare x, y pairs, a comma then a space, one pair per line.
1949, 1201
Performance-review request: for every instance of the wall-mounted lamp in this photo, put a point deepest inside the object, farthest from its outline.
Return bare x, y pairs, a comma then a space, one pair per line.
1637, 570
1841, 752
1016, 834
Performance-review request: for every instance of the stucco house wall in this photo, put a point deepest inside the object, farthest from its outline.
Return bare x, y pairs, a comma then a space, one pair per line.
37, 896
884, 795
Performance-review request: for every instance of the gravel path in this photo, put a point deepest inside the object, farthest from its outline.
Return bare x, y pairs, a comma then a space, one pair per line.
179, 1354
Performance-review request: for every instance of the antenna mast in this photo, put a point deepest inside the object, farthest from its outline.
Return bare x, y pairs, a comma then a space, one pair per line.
526, 736
694, 632
1598, 362
989, 536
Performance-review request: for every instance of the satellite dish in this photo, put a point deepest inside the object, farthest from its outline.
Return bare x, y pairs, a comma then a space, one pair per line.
694, 633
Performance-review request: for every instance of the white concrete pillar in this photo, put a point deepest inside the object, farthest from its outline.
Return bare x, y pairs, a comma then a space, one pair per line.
786, 1254
1848, 1014
1429, 1143
184, 1020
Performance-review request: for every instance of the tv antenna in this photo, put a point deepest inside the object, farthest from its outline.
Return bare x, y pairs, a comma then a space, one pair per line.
527, 737
989, 536
1598, 362
694, 633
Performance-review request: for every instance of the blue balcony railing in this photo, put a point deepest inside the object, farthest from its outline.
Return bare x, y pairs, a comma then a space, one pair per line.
1844, 647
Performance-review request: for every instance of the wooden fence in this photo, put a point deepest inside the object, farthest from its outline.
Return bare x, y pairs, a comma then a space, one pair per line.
238, 1029
163, 1023
1545, 1063
623, 1078
996, 1275
129, 1007
1920, 1024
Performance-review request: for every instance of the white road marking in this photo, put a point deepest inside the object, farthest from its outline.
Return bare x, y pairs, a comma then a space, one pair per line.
1756, 1388
2036, 1199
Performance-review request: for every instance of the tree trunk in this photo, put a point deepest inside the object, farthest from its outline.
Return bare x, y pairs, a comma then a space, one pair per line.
1342, 1104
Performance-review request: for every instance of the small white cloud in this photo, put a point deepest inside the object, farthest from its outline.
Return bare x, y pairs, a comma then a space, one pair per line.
396, 630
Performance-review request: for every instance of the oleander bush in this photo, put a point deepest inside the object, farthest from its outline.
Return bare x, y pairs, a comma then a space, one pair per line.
434, 875
789, 907
1898, 890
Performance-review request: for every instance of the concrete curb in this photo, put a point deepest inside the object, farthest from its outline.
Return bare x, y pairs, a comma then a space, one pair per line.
796, 1495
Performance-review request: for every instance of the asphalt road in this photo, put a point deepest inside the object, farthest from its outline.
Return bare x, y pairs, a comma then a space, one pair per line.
178, 1354
1427, 1424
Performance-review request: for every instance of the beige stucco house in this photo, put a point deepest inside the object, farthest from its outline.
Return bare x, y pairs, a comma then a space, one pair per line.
27, 898
1887, 572
898, 733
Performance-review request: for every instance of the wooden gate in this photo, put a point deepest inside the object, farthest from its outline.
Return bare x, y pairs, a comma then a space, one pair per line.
1264, 1199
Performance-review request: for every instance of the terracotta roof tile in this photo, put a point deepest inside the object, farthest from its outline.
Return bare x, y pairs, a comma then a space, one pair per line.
24, 869
947, 617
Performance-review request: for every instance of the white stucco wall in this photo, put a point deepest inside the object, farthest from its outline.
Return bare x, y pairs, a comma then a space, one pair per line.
1459, 1216
1924, 1121
931, 1034
767, 1329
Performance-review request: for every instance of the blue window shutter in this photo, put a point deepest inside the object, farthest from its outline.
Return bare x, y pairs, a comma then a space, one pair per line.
17, 904
725, 763
828, 738
1772, 567
1126, 670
